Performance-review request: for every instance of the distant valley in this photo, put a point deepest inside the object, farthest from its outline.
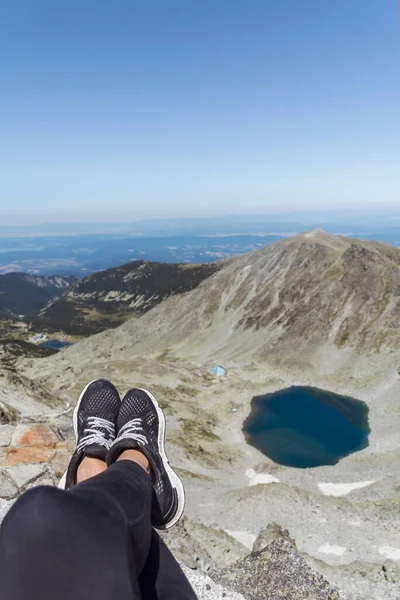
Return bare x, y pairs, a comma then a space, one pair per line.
23, 295
85, 254
81, 307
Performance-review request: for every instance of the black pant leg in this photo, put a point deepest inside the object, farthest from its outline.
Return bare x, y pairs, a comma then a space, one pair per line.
126, 487
89, 542
162, 578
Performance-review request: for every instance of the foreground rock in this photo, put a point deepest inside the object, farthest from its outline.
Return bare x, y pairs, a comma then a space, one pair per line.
278, 571
33, 444
205, 587
5, 506
201, 547
19, 478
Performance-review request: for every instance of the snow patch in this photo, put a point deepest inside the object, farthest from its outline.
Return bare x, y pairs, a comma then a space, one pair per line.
336, 550
342, 489
389, 552
243, 537
260, 478
355, 523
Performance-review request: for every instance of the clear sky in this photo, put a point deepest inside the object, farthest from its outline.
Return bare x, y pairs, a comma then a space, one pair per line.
162, 108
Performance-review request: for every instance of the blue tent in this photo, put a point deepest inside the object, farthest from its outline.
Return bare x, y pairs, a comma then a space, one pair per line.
218, 371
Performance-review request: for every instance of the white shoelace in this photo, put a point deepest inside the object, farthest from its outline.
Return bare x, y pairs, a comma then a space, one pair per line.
95, 435
132, 431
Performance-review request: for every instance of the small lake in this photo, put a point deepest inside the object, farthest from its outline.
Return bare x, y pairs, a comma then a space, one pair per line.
307, 427
56, 344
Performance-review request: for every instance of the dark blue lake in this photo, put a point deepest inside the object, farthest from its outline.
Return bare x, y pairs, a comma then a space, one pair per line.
307, 427
57, 344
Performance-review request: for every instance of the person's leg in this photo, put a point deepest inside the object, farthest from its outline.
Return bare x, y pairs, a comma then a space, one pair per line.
94, 539
90, 541
141, 427
162, 578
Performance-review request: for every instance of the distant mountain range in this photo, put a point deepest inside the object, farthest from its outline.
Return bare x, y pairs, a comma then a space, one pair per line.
97, 302
106, 299
287, 291
23, 294
365, 220
300, 287
301, 292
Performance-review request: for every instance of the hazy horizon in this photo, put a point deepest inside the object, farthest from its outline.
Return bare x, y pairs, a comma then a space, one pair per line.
37, 218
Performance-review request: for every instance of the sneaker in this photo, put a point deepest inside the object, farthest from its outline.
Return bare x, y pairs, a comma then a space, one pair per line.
141, 425
94, 421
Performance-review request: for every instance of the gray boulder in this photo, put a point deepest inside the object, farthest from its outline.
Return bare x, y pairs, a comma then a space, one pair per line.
8, 488
18, 478
272, 532
6, 432
201, 547
5, 506
277, 572
206, 589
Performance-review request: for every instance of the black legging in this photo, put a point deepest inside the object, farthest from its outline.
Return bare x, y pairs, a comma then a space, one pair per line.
93, 541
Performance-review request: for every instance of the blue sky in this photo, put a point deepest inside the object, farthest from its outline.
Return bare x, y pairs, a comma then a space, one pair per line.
165, 108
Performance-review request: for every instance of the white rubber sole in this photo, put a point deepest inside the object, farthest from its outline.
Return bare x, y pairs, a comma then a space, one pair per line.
176, 482
63, 480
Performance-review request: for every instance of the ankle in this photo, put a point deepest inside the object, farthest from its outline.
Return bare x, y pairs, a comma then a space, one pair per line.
135, 456
90, 467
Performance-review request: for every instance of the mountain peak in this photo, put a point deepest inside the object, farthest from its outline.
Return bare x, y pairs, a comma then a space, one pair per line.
316, 233
323, 237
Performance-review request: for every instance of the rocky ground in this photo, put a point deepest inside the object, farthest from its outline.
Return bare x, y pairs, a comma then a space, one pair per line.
234, 493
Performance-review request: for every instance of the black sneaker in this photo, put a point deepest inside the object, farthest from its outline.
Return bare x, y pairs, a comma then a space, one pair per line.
94, 421
141, 425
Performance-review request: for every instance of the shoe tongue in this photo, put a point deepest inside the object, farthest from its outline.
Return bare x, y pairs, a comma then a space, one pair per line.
95, 451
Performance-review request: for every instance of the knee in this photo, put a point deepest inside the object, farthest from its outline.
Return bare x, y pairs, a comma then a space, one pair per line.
40, 501
33, 510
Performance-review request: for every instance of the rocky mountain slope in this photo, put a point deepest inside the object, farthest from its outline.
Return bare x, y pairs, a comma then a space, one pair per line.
314, 310
107, 298
282, 304
25, 294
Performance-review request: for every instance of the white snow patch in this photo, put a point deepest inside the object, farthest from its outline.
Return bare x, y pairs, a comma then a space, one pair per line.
243, 537
336, 550
389, 552
342, 489
355, 523
256, 478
